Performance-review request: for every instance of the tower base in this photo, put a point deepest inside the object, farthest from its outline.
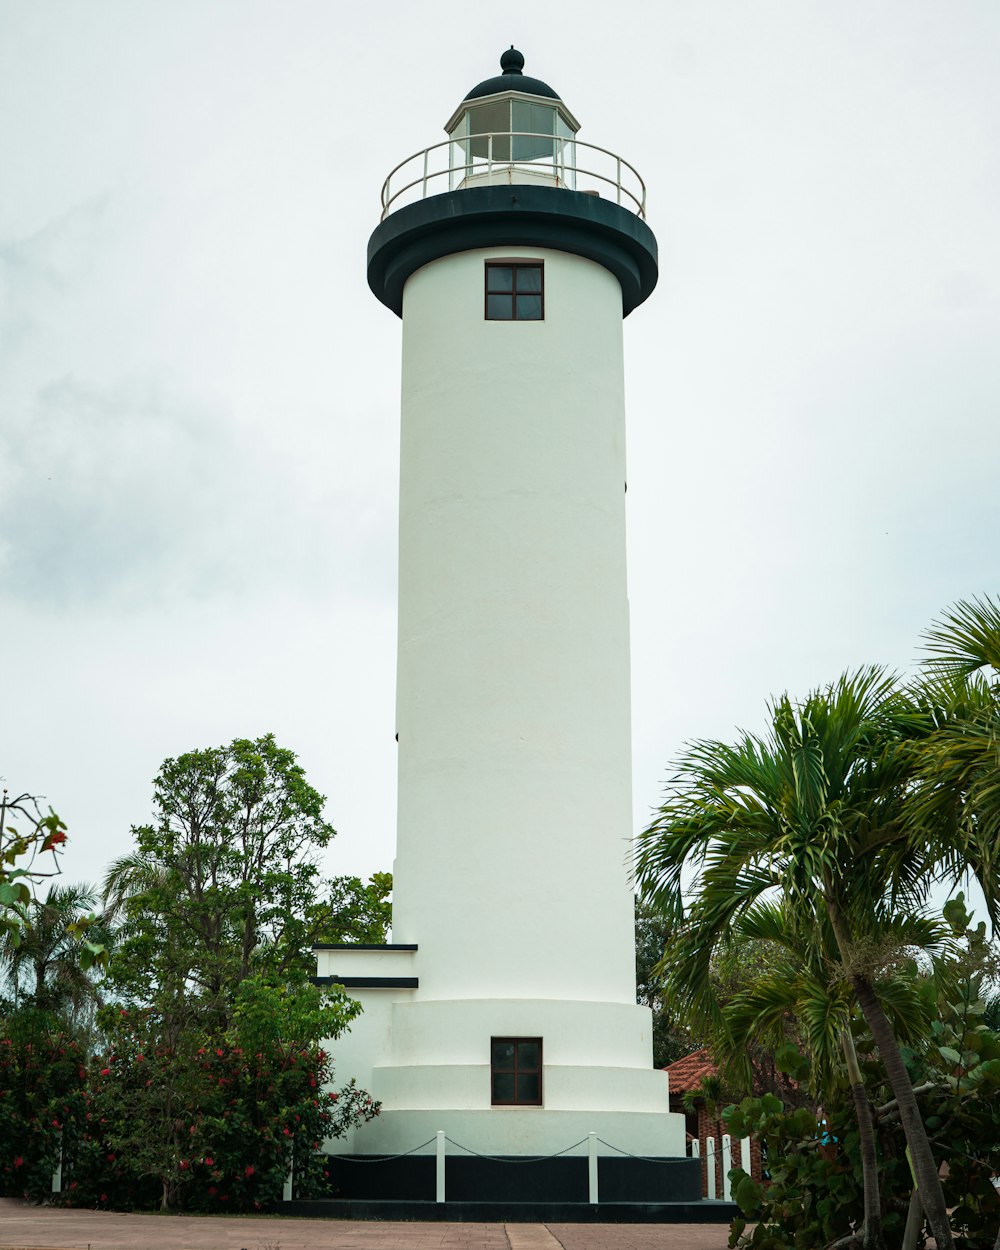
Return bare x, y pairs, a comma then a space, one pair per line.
515, 1189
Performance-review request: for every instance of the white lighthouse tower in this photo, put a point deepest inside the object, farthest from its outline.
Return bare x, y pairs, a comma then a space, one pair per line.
504, 1010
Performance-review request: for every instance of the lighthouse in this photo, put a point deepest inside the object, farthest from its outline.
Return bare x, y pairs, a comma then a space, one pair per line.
503, 1011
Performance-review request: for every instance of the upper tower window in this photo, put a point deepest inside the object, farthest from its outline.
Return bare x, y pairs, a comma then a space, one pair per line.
514, 292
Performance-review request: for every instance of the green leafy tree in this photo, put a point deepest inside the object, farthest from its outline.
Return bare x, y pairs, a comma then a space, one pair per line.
357, 911
213, 1121
225, 884
812, 811
671, 1039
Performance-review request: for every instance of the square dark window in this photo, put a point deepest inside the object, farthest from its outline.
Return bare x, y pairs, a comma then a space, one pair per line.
516, 1072
514, 292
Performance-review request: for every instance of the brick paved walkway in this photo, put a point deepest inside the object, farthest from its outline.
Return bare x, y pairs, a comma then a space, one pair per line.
44, 1228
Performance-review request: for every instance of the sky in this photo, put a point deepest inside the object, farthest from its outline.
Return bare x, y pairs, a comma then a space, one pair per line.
199, 396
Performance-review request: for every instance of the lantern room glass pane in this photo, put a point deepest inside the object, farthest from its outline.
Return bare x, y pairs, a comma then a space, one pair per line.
565, 152
539, 121
458, 153
486, 119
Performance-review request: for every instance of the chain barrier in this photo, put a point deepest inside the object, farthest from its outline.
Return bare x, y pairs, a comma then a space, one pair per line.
386, 1158
519, 1159
643, 1158
498, 1158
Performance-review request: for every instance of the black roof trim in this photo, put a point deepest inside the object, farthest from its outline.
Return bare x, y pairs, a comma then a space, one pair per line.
512, 215
365, 946
369, 983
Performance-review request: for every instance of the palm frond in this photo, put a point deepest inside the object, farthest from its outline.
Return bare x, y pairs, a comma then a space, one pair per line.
966, 638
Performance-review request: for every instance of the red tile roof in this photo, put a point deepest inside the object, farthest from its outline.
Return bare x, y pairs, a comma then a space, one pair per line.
689, 1071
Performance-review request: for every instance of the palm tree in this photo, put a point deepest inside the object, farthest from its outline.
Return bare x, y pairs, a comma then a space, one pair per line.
958, 759
802, 990
43, 963
811, 813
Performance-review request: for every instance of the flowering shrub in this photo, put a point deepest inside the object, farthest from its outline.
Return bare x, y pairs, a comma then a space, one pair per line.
42, 1101
209, 1126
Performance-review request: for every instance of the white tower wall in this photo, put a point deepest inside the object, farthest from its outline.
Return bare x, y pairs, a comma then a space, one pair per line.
513, 720
513, 678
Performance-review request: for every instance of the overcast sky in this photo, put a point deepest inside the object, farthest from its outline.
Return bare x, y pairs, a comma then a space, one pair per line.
199, 396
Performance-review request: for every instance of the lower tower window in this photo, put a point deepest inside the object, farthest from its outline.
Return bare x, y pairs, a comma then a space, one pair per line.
516, 1072
514, 292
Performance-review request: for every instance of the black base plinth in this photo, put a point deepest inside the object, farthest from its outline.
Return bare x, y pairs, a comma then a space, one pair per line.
544, 1190
700, 1212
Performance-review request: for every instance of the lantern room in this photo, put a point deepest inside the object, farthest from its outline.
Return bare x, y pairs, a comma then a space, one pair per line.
512, 128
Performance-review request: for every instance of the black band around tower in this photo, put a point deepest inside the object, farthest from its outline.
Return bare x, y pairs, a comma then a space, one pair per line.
509, 216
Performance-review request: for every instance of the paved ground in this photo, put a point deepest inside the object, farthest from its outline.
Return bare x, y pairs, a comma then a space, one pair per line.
43, 1228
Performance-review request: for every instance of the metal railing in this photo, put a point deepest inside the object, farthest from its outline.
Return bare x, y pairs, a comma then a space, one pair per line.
419, 171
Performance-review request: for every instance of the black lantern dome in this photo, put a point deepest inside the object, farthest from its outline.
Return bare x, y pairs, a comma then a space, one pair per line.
511, 78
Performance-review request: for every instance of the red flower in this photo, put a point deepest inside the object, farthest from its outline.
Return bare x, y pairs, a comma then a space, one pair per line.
224, 1198
218, 1052
105, 1072
208, 1161
287, 1132
212, 1190
72, 1184
111, 1158
184, 1165
104, 1197
18, 1161
249, 1170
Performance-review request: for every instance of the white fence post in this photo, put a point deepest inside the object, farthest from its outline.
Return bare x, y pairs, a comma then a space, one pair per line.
592, 1167
710, 1164
744, 1145
57, 1173
727, 1163
439, 1168
286, 1193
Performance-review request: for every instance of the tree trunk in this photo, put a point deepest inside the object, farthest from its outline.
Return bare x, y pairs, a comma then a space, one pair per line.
924, 1167
872, 1236
914, 1219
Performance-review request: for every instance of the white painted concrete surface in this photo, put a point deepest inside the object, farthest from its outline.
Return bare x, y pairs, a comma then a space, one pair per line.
514, 731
